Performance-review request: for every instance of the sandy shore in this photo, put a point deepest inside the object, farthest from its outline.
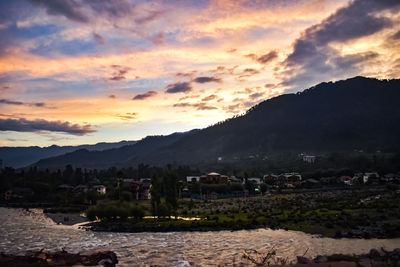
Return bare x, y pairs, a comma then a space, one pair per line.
67, 218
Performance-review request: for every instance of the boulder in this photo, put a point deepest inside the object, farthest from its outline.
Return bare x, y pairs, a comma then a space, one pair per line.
303, 260
320, 259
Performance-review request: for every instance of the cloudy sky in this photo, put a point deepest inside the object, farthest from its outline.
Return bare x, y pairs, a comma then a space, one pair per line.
76, 71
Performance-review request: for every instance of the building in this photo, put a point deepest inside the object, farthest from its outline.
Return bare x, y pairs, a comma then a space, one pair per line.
65, 187
101, 189
309, 159
371, 177
255, 180
214, 178
80, 189
346, 179
192, 179
140, 190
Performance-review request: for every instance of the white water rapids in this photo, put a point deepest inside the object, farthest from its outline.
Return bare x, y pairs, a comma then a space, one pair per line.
21, 231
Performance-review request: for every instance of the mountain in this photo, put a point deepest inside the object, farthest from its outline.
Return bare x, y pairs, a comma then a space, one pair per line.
22, 156
112, 157
357, 113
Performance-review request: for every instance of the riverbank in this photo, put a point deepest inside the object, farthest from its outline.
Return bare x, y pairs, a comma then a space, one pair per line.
369, 213
67, 218
59, 258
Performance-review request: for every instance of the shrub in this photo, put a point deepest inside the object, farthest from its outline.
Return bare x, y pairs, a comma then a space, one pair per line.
136, 212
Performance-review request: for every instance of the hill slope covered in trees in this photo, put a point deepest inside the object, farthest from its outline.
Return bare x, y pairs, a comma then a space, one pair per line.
357, 113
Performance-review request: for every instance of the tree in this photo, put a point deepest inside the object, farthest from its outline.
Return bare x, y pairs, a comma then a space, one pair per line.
155, 195
170, 189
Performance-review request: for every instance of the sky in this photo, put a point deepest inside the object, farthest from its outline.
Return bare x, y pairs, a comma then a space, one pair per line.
81, 72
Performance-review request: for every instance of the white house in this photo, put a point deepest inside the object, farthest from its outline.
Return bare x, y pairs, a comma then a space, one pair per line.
101, 189
192, 179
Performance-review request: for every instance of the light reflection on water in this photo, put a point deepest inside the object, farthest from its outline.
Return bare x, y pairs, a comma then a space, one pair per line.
21, 231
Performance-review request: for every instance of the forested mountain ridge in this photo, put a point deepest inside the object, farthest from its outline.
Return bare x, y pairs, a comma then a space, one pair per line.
357, 113
21, 156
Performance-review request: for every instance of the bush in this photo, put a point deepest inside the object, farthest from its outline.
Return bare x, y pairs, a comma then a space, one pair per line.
113, 211
136, 212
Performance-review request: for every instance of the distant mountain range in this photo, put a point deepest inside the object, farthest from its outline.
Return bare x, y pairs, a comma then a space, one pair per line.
358, 113
22, 156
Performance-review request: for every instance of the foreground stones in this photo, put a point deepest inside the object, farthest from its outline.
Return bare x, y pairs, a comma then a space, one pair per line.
374, 258
60, 258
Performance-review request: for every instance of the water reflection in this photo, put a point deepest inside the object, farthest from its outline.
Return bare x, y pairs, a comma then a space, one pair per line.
21, 231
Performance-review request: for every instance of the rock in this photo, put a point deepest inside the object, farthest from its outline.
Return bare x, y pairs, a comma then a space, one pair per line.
60, 258
320, 259
374, 253
106, 263
396, 252
303, 260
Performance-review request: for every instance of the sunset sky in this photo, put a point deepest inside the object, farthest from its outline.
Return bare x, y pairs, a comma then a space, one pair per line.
80, 72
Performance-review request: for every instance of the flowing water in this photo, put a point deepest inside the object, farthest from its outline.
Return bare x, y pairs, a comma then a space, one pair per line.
22, 231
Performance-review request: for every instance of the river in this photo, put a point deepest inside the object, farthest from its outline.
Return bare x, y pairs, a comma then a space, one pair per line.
21, 231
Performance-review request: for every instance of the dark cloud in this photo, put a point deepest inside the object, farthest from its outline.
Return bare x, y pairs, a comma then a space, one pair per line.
99, 39
197, 106
345, 62
145, 95
112, 96
244, 91
248, 73
205, 79
119, 73
186, 74
182, 105
128, 116
25, 125
188, 97
85, 11
178, 87
233, 108
267, 57
264, 59
69, 9
256, 95
313, 59
151, 16
396, 36
158, 39
202, 106
20, 103
269, 85
209, 98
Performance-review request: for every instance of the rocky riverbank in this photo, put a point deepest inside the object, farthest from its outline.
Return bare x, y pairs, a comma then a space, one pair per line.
66, 218
59, 258
375, 257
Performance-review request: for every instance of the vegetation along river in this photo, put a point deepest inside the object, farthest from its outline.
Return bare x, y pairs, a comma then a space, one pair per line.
22, 231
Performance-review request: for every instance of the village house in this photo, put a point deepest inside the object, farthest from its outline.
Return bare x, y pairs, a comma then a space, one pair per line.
255, 180
309, 159
234, 179
80, 189
140, 190
214, 178
192, 179
371, 177
65, 187
346, 179
101, 189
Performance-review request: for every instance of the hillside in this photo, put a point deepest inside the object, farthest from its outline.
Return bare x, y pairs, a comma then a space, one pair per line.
358, 113
22, 156
111, 157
